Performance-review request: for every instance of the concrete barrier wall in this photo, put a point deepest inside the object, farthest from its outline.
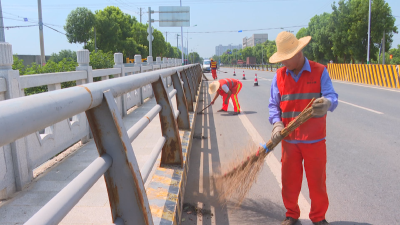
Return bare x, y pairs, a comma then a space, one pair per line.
372, 74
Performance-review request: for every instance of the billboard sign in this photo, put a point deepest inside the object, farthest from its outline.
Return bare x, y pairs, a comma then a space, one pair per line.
174, 16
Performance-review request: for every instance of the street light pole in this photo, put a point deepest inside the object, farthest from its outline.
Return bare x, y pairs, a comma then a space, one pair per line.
42, 56
262, 55
2, 36
182, 37
369, 30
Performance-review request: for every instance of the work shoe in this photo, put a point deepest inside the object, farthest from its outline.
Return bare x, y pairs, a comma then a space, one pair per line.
322, 222
235, 113
289, 221
221, 110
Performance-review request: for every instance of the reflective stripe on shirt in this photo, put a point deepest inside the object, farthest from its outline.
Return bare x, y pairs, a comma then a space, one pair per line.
300, 96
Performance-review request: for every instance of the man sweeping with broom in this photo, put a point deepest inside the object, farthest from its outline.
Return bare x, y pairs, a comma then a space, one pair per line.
292, 88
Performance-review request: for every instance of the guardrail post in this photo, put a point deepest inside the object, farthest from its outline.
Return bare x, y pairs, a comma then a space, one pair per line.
165, 62
14, 168
200, 73
172, 150
121, 100
192, 81
183, 118
126, 192
83, 59
138, 63
187, 88
195, 78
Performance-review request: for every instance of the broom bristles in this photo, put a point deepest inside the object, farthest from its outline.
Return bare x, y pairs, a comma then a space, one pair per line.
236, 183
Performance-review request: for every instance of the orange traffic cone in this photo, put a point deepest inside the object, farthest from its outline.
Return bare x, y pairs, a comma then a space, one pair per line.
244, 76
256, 81
234, 73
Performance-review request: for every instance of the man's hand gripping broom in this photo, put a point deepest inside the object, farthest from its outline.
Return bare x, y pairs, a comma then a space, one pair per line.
236, 183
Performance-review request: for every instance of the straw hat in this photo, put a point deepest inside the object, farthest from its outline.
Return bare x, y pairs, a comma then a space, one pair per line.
288, 46
213, 87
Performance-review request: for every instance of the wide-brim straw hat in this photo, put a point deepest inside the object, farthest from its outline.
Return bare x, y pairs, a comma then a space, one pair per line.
288, 46
213, 87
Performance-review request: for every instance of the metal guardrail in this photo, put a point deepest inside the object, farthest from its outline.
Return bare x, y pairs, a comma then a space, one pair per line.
124, 179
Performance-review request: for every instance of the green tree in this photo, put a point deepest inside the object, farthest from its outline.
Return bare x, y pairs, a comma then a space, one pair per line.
113, 27
158, 43
79, 24
63, 54
270, 49
320, 44
101, 60
194, 57
18, 64
396, 56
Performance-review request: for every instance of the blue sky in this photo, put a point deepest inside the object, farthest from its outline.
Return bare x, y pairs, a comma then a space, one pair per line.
208, 15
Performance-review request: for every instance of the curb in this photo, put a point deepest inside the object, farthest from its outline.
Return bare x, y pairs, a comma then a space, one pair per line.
166, 189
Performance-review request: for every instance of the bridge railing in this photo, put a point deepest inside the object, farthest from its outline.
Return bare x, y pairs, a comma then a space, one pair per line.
102, 102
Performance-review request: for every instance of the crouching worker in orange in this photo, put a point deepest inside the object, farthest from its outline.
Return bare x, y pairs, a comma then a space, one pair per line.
227, 88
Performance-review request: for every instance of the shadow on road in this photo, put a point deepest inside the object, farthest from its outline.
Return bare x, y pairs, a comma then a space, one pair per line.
231, 113
200, 191
348, 223
256, 211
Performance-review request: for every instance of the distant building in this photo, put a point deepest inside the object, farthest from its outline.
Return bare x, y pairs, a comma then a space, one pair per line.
184, 49
254, 40
220, 49
29, 59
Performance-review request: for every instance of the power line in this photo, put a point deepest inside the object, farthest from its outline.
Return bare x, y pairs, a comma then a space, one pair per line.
19, 26
54, 29
236, 31
27, 21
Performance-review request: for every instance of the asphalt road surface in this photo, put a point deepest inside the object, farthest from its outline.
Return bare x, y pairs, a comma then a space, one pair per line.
363, 178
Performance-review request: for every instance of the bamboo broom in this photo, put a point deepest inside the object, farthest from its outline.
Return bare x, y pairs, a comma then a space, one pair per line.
236, 183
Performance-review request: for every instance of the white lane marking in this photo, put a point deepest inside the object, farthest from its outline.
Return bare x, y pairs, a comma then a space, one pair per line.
213, 217
201, 174
210, 174
209, 139
367, 86
371, 110
275, 167
199, 215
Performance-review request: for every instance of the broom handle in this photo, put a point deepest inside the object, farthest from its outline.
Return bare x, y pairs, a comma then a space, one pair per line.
205, 108
303, 117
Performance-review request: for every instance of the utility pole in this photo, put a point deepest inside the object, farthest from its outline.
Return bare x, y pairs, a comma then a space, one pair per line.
2, 36
181, 36
150, 37
177, 35
95, 43
369, 30
42, 57
383, 48
140, 14
262, 55
166, 36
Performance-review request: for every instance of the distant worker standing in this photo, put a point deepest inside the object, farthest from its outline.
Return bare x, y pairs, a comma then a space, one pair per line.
227, 88
214, 69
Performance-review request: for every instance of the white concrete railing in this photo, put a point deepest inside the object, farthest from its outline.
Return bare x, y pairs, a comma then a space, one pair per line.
20, 158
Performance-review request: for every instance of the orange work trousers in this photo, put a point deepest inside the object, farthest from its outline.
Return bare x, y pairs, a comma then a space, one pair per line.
314, 156
234, 97
214, 73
